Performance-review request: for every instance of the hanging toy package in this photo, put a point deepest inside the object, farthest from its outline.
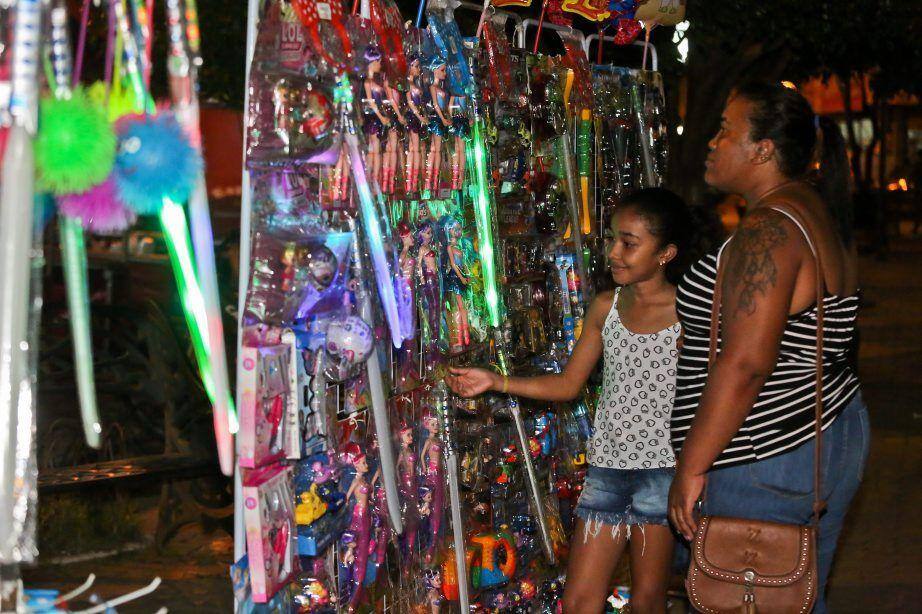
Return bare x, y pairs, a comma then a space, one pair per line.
270, 530
295, 276
290, 113
264, 402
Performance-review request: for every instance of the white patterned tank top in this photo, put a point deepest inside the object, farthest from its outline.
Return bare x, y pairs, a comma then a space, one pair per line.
631, 429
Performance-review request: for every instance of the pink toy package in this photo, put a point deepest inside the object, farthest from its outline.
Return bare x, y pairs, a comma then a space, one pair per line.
266, 387
268, 514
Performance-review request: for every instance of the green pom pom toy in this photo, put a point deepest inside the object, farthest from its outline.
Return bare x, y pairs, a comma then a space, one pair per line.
121, 101
75, 147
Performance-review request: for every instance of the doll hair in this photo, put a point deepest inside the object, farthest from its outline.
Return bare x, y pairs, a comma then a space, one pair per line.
372, 54
352, 454
449, 223
427, 225
432, 578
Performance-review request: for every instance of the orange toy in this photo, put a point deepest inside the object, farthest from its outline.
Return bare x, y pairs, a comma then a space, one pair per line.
472, 558
492, 573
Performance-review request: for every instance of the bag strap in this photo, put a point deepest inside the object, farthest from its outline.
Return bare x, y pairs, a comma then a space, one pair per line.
797, 217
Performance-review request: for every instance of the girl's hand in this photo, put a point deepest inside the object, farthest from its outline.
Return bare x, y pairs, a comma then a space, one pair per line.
469, 382
683, 495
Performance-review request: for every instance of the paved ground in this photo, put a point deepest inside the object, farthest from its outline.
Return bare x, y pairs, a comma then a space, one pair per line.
879, 567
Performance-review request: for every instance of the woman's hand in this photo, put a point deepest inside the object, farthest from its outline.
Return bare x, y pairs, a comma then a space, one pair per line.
469, 382
684, 493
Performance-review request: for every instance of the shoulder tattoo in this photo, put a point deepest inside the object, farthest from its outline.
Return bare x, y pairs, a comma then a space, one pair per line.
752, 270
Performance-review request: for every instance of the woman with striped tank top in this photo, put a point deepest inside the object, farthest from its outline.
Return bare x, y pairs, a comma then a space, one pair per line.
745, 426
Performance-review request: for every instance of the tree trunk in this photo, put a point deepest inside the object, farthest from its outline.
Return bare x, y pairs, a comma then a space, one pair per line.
883, 120
872, 111
845, 87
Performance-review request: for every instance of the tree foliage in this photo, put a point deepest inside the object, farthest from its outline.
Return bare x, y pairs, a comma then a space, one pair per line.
735, 40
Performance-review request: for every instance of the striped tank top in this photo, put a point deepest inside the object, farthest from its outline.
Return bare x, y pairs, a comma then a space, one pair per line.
783, 415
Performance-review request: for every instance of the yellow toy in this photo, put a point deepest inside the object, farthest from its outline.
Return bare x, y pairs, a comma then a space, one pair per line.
311, 507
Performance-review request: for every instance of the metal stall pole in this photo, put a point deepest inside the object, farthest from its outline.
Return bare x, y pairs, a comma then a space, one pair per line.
244, 267
654, 58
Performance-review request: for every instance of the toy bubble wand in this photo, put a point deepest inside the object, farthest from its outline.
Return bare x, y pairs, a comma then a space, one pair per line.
16, 210
165, 141
182, 71
74, 151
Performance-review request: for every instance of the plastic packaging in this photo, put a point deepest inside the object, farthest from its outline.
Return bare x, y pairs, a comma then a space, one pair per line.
265, 387
269, 519
295, 276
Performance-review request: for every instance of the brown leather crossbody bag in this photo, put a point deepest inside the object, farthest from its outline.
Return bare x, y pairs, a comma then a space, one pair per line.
747, 566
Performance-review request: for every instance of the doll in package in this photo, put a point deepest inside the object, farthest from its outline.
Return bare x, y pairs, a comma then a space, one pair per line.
264, 402
269, 520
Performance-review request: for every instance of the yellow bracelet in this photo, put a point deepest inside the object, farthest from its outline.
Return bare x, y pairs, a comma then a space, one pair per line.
505, 384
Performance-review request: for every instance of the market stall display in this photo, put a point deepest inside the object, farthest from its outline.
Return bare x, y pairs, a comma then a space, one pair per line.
414, 199
417, 200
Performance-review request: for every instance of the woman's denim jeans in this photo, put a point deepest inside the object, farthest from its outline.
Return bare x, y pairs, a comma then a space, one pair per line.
780, 489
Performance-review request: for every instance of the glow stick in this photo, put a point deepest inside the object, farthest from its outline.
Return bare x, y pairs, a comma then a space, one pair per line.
73, 252
454, 493
584, 161
185, 104
484, 217
371, 223
649, 171
16, 232
142, 35
573, 205
176, 236
193, 34
132, 57
73, 255
378, 400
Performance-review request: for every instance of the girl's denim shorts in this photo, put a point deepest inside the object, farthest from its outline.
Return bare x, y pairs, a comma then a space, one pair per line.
625, 497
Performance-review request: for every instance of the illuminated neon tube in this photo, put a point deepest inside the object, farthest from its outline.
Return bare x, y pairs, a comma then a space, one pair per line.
371, 222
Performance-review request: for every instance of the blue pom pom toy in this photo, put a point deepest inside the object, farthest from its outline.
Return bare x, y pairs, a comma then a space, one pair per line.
154, 161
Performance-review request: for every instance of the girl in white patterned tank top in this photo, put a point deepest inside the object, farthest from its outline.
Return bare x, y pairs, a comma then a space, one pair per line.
635, 330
